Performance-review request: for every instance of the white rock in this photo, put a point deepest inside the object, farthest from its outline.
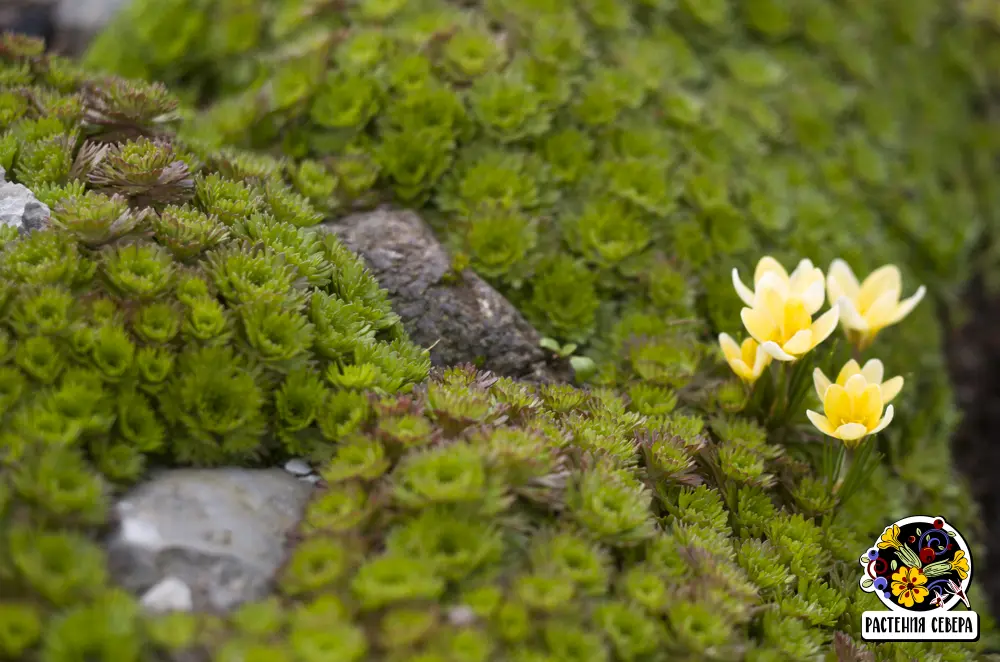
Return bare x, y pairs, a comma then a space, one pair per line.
461, 615
312, 479
171, 594
140, 533
298, 467
20, 208
222, 532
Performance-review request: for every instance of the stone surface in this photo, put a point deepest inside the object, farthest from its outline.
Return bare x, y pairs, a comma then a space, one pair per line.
220, 532
298, 467
77, 22
171, 594
463, 322
20, 208
28, 17
68, 26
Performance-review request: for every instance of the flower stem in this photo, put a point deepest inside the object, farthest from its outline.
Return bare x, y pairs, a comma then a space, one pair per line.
860, 464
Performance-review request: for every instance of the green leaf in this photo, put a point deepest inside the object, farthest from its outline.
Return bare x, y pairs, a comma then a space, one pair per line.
550, 344
867, 583
583, 367
894, 565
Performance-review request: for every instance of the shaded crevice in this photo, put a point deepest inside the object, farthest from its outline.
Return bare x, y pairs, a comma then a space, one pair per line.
974, 363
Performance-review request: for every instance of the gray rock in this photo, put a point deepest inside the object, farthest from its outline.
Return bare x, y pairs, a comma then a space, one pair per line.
298, 467
77, 22
463, 322
28, 17
220, 532
461, 616
171, 594
20, 208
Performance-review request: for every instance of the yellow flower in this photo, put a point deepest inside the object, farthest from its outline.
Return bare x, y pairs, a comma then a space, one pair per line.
853, 411
746, 360
873, 371
783, 325
805, 283
908, 586
889, 538
960, 564
869, 307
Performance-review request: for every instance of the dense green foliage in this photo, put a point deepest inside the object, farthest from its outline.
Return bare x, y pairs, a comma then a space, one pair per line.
605, 163
179, 310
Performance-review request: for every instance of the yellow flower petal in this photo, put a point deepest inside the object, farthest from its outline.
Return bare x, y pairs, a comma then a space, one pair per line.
837, 404
813, 296
794, 319
890, 538
776, 352
821, 382
821, 422
744, 292
849, 432
960, 564
768, 299
758, 324
850, 369
824, 325
882, 280
745, 359
868, 407
855, 386
729, 347
761, 361
768, 264
806, 283
850, 315
891, 388
841, 282
886, 419
879, 314
906, 307
800, 343
873, 370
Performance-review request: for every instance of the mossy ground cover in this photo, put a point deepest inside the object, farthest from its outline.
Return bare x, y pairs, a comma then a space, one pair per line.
605, 164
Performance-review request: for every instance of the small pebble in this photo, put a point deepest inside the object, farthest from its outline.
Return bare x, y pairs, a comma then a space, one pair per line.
461, 616
298, 466
170, 594
311, 478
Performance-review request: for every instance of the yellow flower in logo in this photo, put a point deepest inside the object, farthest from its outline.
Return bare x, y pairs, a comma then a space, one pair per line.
746, 359
908, 586
867, 308
873, 372
889, 538
960, 564
853, 411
